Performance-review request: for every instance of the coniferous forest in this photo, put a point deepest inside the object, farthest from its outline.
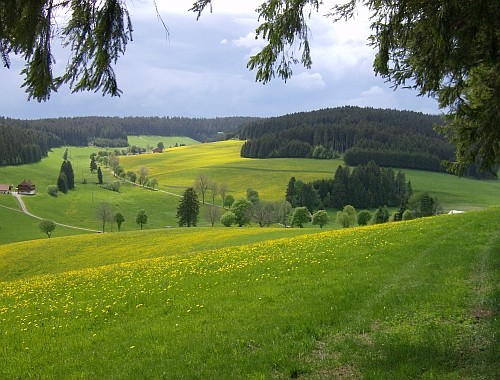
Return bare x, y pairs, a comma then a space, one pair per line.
391, 138
25, 141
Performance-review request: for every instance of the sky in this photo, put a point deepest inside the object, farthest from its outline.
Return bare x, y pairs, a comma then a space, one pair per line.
199, 70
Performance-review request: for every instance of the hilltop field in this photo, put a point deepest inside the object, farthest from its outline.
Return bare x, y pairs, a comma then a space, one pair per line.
176, 169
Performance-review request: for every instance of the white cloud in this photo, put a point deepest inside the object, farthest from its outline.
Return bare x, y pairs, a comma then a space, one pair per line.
200, 71
308, 81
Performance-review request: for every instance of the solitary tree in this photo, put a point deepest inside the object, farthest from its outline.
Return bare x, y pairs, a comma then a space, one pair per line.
188, 209
99, 175
223, 193
93, 164
300, 216
320, 218
104, 213
214, 189
212, 214
47, 227
119, 219
160, 146
141, 218
228, 201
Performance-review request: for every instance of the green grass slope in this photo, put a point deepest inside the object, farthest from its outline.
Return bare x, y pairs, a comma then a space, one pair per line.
414, 299
178, 168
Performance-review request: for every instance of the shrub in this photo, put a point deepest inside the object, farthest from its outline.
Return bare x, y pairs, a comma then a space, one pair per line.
364, 217
52, 190
228, 218
408, 215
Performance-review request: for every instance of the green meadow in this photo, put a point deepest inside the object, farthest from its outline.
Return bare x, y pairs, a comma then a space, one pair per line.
416, 299
176, 169
406, 300
168, 141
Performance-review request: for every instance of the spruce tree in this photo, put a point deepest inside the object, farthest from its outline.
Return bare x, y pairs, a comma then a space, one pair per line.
62, 182
99, 175
188, 209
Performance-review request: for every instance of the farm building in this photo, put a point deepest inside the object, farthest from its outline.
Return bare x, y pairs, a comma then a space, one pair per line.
5, 189
26, 187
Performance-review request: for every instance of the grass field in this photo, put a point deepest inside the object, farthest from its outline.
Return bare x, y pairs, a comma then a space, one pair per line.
406, 300
177, 169
168, 142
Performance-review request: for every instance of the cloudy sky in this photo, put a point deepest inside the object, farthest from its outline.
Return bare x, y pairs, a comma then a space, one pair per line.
200, 70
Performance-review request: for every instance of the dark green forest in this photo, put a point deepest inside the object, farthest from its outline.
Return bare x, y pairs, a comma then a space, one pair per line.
25, 141
393, 138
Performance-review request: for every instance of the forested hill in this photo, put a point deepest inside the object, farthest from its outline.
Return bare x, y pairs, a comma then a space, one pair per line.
390, 138
24, 141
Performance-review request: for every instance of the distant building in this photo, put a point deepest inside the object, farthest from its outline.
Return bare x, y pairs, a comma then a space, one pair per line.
157, 150
5, 189
26, 187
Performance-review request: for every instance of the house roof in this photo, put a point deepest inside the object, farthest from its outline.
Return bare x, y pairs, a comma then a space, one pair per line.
4, 187
27, 183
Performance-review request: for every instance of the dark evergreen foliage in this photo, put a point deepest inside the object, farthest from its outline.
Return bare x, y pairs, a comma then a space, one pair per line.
367, 186
25, 141
188, 209
388, 137
67, 169
62, 183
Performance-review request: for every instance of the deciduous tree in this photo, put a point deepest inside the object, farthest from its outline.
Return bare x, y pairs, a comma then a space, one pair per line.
104, 213
243, 210
201, 184
320, 218
119, 219
47, 227
141, 217
300, 216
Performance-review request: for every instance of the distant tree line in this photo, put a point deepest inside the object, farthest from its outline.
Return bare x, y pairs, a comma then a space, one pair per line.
25, 141
390, 138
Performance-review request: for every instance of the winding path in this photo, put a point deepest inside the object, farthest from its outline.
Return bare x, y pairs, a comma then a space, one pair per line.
25, 210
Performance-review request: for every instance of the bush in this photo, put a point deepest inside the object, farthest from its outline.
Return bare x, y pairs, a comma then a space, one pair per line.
364, 217
408, 215
52, 190
228, 218
113, 186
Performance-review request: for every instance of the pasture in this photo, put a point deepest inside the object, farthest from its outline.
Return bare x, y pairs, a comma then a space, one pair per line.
415, 299
168, 141
176, 169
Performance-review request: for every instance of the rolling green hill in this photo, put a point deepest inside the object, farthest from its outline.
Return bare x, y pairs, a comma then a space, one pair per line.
415, 299
177, 169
